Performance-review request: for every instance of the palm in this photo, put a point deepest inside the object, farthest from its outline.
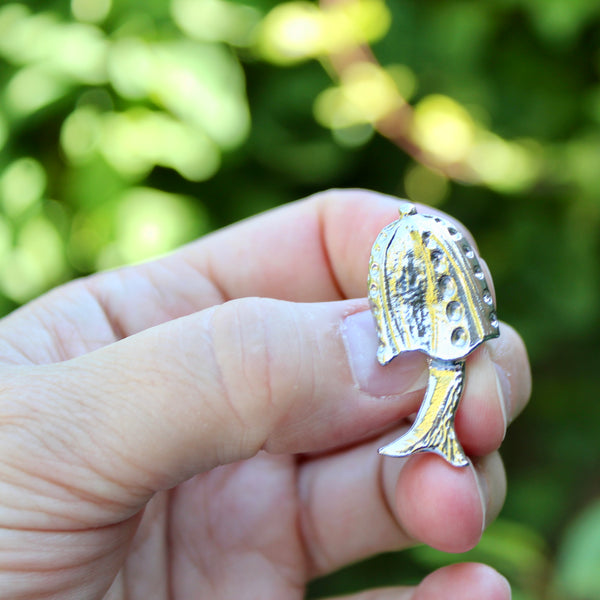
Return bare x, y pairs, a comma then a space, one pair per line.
233, 533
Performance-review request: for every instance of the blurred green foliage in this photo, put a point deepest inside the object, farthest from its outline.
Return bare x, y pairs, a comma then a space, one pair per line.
128, 127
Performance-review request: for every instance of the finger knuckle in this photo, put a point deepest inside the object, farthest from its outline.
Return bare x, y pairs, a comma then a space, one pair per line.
255, 360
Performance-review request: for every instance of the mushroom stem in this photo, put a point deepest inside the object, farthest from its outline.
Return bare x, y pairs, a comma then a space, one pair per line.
433, 428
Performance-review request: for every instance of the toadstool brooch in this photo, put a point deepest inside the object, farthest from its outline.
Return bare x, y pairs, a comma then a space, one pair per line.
428, 293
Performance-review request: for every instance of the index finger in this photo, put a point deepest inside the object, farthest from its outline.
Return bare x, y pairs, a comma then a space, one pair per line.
314, 250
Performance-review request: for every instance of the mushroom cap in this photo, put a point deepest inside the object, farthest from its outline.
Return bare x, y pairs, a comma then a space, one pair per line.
427, 290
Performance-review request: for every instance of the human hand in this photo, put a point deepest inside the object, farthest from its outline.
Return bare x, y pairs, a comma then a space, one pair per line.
206, 425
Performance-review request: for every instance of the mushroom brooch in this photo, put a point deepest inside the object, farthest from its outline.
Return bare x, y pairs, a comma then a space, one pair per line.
428, 293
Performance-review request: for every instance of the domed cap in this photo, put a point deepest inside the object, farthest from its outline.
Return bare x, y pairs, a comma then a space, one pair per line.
427, 290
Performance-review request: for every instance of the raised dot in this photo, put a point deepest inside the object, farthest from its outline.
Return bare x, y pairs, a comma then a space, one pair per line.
447, 287
373, 290
438, 261
487, 298
454, 233
493, 320
478, 272
454, 311
459, 337
468, 251
374, 268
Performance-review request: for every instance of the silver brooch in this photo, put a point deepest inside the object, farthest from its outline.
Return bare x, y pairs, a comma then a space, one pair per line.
428, 293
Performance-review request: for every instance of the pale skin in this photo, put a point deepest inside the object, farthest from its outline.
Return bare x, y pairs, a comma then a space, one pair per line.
194, 427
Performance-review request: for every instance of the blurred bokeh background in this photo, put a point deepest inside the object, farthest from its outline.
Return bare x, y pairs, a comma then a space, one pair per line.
128, 127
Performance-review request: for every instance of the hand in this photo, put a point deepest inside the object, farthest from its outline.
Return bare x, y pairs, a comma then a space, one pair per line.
206, 425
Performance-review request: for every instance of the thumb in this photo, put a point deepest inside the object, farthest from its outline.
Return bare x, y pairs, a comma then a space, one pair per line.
211, 388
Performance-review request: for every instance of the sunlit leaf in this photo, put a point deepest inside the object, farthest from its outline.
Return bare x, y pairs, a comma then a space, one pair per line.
130, 66
295, 31
201, 84
25, 37
81, 134
33, 88
443, 128
35, 263
366, 94
21, 186
148, 223
135, 141
68, 51
78, 53
505, 166
216, 20
91, 11
292, 31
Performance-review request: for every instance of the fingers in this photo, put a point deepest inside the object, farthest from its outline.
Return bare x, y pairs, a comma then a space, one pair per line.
357, 504
465, 581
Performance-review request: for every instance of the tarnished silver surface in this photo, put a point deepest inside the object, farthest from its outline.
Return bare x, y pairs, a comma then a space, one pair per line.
427, 292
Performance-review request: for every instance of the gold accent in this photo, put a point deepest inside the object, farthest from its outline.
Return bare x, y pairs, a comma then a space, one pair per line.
433, 429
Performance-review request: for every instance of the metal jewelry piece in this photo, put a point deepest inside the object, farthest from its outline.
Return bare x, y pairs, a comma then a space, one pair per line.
427, 292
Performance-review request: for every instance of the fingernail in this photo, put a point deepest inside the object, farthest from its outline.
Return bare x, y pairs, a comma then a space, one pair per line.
503, 387
406, 373
482, 488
